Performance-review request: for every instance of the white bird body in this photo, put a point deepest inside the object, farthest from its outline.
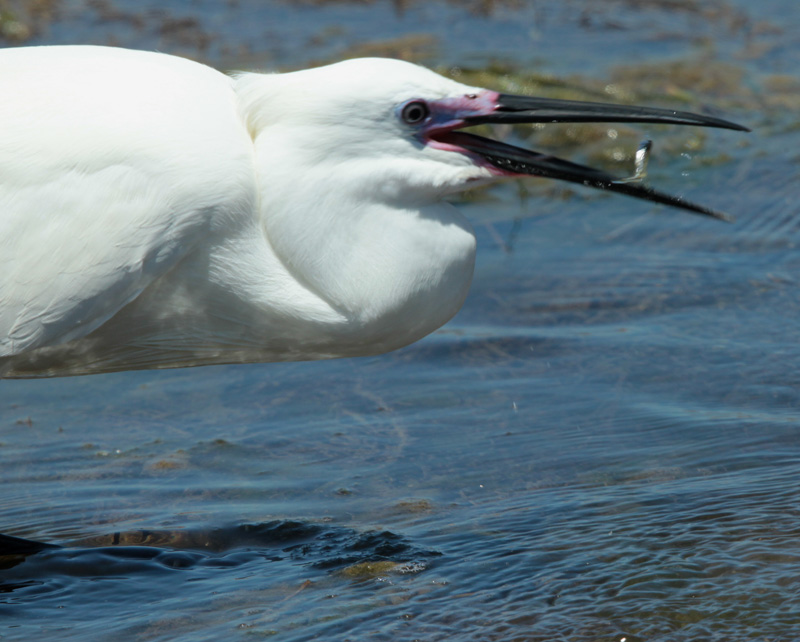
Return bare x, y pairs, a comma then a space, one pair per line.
157, 213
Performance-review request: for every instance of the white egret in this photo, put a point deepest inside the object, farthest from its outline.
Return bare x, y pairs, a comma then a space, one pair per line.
157, 213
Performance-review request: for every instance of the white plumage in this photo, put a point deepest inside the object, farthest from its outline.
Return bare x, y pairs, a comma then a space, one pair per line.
157, 213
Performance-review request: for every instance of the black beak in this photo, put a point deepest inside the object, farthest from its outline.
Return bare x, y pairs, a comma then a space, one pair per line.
522, 161
524, 109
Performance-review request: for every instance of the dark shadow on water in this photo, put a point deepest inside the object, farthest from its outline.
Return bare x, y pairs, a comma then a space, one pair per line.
18, 547
26, 563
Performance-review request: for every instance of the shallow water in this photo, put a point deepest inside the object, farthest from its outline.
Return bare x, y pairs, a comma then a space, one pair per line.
602, 445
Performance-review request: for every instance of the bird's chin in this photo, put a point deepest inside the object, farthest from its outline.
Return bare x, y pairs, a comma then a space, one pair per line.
475, 174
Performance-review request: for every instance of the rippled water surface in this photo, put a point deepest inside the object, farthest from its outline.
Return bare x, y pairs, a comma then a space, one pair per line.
602, 445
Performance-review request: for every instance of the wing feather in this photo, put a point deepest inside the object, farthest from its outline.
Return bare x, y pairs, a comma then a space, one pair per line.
113, 165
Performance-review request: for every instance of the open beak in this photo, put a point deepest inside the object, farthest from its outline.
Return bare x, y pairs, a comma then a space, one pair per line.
516, 161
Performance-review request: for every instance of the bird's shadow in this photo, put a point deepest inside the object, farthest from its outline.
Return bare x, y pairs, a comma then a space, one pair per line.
355, 554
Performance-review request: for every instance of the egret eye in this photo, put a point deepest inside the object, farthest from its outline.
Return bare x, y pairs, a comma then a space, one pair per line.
414, 112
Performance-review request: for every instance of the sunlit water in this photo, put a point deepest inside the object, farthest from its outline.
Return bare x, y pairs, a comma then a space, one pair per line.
602, 445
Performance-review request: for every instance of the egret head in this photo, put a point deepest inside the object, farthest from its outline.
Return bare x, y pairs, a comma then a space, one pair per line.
369, 118
399, 125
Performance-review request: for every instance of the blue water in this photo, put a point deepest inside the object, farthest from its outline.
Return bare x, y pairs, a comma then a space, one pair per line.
602, 445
